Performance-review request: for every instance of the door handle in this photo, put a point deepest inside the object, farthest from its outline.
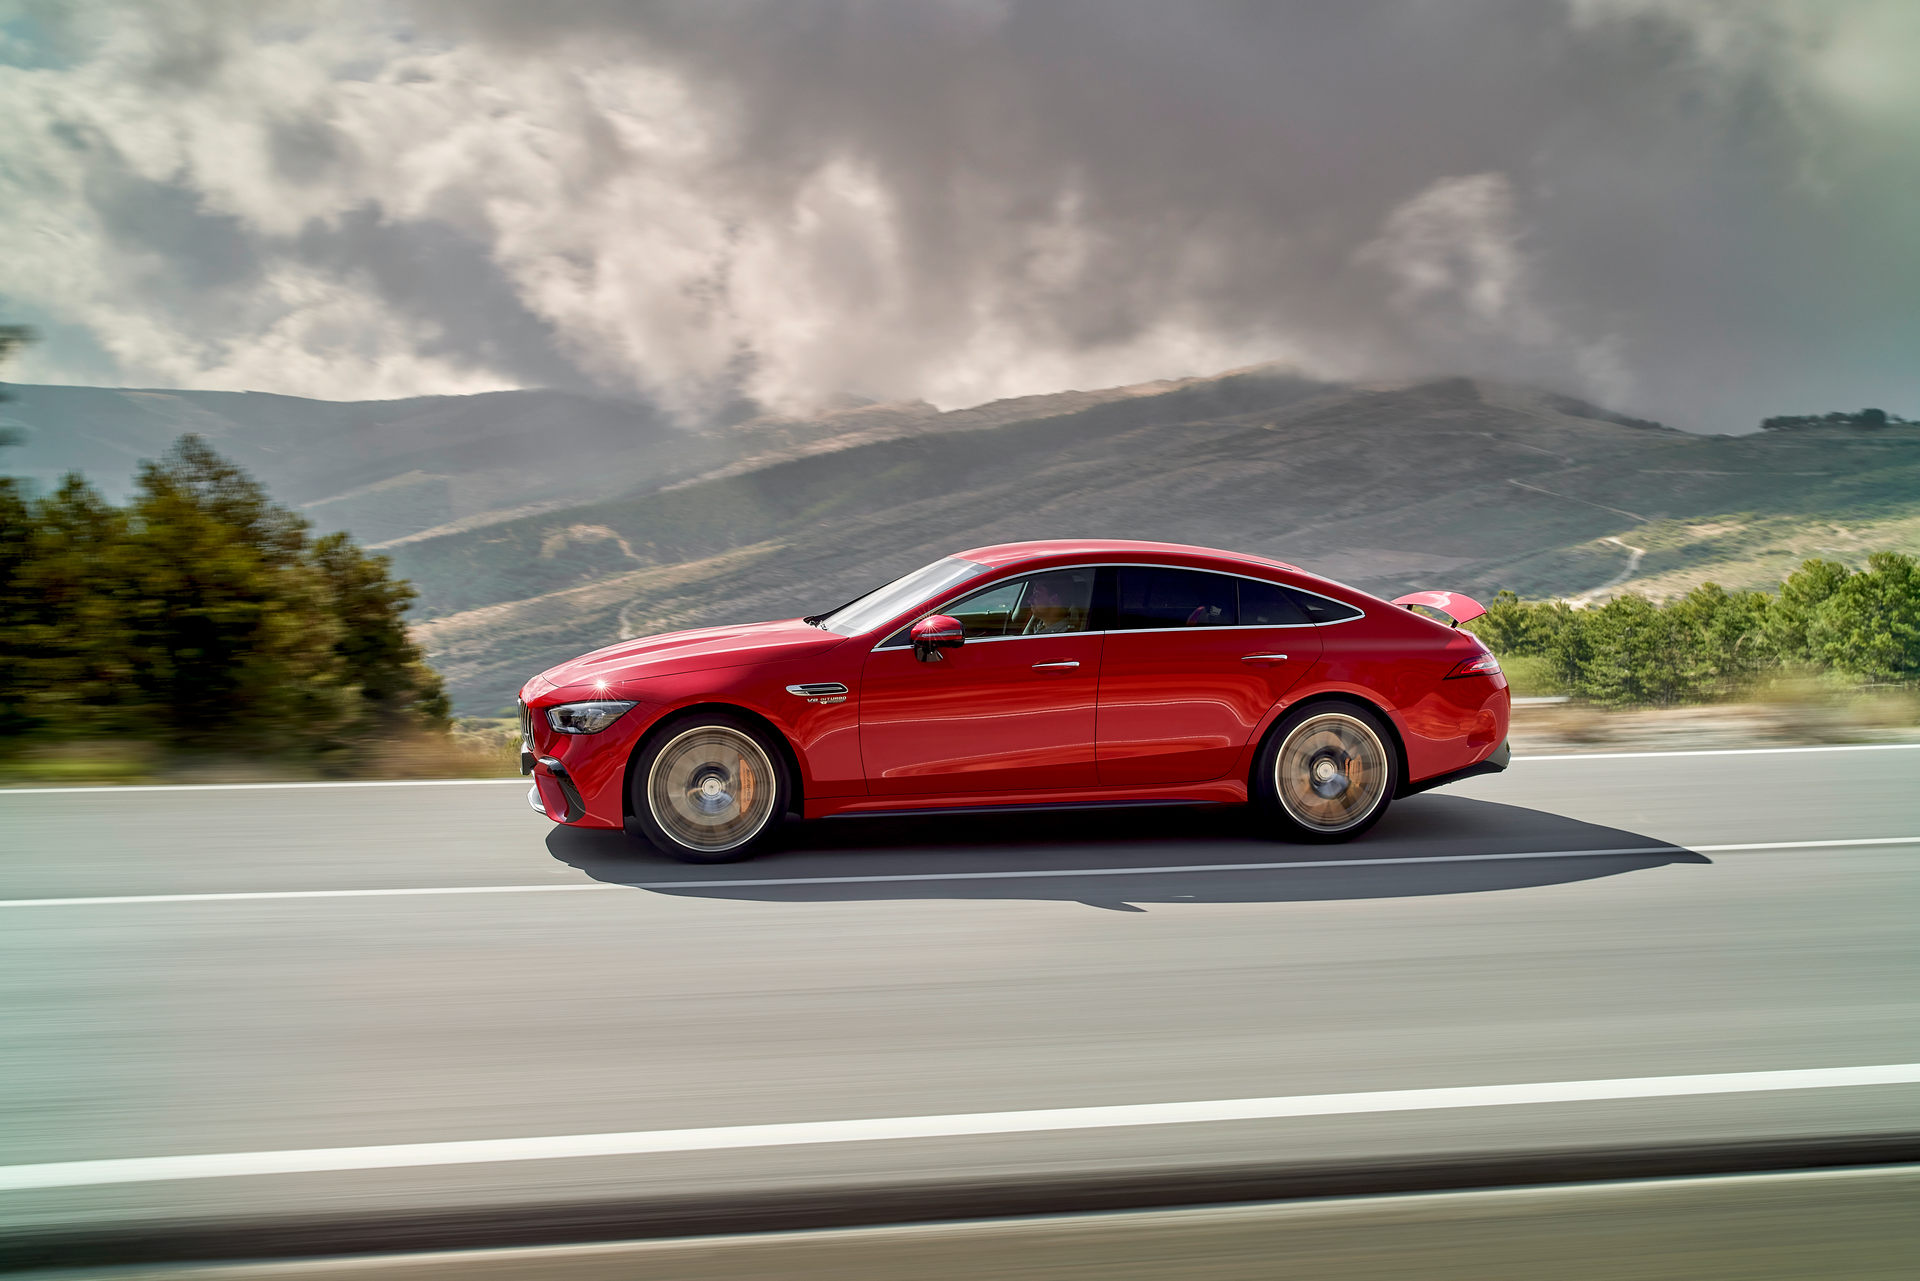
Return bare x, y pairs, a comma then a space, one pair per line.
1063, 663
1263, 658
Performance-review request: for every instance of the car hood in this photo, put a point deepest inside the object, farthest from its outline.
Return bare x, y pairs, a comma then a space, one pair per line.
675, 652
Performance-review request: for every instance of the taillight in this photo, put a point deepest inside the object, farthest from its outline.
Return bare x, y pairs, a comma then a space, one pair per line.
1482, 664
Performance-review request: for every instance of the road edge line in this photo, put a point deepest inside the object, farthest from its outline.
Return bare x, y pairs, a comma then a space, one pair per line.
849, 1204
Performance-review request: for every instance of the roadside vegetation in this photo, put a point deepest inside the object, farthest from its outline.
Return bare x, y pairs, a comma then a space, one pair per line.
202, 628
1828, 628
1865, 420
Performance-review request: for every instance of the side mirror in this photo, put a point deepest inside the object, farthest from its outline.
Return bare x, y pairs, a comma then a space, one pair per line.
934, 633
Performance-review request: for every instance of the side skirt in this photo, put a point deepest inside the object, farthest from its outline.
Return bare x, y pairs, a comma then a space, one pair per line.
1218, 792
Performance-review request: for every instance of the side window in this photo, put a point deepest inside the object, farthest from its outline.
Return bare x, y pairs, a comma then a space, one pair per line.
1045, 604
987, 613
1151, 597
1058, 601
1321, 610
1265, 604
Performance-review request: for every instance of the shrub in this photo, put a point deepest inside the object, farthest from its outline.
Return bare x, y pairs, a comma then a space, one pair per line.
200, 614
1712, 643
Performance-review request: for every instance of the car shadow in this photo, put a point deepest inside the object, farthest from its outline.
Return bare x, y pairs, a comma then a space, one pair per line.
1122, 858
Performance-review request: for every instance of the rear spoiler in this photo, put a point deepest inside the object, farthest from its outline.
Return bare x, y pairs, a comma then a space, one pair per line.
1461, 609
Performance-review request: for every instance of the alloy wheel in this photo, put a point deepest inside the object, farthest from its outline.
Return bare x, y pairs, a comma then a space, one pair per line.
1331, 772
712, 788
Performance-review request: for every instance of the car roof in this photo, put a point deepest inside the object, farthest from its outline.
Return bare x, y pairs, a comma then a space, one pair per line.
1002, 555
1059, 551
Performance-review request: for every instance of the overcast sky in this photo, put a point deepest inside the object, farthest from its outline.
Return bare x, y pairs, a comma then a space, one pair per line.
1702, 212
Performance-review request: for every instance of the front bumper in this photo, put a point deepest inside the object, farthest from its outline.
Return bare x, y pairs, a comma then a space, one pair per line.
571, 808
582, 777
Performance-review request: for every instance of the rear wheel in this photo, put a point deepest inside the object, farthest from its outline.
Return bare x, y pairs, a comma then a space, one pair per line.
1327, 772
710, 788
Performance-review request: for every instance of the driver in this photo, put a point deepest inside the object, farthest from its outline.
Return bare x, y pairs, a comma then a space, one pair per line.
1046, 609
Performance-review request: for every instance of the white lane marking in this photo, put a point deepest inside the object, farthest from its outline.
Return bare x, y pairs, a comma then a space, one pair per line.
483, 782
392, 1156
244, 895
1017, 874
1723, 751
1802, 845
256, 787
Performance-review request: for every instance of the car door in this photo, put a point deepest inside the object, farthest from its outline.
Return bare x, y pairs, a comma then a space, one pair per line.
1193, 663
1010, 709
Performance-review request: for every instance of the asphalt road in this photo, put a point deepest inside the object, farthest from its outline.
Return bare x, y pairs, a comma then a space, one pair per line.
218, 981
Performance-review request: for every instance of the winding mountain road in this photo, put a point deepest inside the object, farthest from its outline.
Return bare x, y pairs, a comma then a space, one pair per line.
1593, 595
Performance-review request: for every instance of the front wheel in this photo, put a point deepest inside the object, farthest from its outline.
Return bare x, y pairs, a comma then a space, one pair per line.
1327, 772
710, 789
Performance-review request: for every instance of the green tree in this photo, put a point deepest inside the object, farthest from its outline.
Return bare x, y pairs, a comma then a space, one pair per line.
1869, 625
392, 677
1801, 595
16, 542
16, 550
12, 338
1565, 638
69, 614
201, 614
231, 632
1724, 636
1509, 626
1638, 654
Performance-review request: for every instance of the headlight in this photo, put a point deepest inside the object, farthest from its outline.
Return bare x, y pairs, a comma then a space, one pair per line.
585, 718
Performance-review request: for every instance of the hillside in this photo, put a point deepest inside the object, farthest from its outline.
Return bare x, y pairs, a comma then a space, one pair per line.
382, 469
398, 469
1454, 483
540, 524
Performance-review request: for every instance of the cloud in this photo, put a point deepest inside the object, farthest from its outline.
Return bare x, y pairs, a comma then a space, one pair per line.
1463, 277
1456, 243
1697, 211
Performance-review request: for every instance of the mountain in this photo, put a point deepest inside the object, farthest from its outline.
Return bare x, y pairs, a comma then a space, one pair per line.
382, 469
1450, 483
568, 522
398, 469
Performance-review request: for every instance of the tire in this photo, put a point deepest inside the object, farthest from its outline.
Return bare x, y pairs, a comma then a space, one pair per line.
710, 788
1327, 772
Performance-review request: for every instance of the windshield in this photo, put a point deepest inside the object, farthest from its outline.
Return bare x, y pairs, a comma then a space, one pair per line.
900, 595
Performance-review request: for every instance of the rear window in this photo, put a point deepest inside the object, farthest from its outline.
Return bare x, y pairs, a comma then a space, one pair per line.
1321, 610
1159, 598
1268, 605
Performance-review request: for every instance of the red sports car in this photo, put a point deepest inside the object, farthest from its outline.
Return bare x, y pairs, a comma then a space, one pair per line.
1052, 674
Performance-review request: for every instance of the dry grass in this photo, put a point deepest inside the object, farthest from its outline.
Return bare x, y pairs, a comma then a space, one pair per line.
1779, 716
1754, 552
474, 749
